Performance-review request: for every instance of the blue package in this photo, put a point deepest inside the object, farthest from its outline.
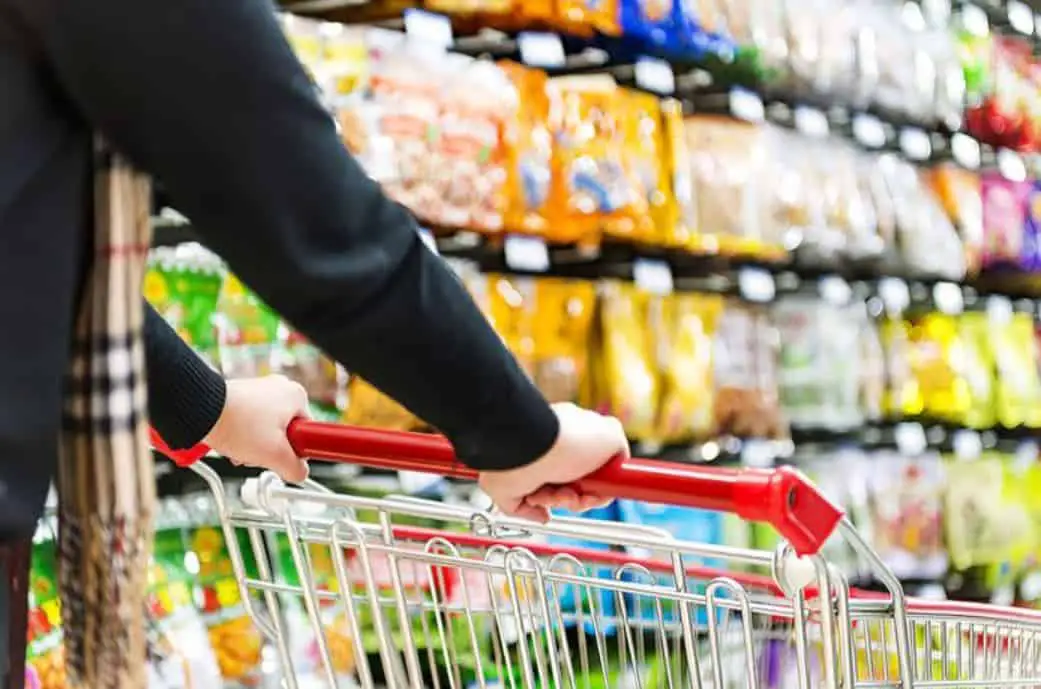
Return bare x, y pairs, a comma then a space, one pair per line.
649, 23
684, 524
571, 597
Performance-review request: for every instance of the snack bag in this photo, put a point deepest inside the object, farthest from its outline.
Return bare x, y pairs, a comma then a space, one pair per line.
183, 285
936, 364
1018, 388
564, 318
179, 648
679, 216
630, 383
1031, 259
45, 652
601, 17
974, 329
641, 121
686, 363
529, 152
247, 331
903, 395
347, 61
235, 640
960, 193
906, 506
514, 304
651, 23
591, 186
1004, 219
872, 357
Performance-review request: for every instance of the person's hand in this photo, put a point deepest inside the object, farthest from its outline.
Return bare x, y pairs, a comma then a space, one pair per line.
252, 428
585, 443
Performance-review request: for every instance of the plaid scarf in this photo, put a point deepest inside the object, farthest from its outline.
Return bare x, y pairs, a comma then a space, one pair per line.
106, 482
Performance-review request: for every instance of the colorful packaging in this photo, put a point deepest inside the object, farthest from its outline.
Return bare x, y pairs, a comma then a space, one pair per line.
368, 406
937, 366
960, 192
247, 331
1004, 219
978, 370
45, 652
529, 153
903, 396
641, 121
563, 323
1018, 388
680, 215
685, 359
183, 284
324, 380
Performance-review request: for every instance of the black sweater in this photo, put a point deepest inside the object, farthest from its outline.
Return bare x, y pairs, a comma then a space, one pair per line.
209, 98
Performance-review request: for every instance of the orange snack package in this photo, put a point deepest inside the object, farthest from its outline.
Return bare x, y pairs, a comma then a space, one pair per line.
645, 216
529, 152
679, 214
564, 318
513, 310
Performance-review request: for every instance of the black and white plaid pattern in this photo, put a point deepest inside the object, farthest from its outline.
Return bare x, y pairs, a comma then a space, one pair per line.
105, 480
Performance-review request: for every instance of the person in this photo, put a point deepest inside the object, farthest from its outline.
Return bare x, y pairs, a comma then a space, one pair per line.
210, 100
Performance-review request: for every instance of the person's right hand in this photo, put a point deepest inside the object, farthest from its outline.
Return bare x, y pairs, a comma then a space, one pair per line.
586, 441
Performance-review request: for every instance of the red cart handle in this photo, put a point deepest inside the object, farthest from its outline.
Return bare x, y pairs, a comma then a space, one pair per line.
783, 497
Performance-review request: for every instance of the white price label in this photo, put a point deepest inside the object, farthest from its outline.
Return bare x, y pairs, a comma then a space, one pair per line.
869, 131
967, 444
526, 253
756, 284
429, 27
999, 310
428, 238
1030, 588
747, 106
895, 294
653, 276
1011, 165
915, 144
949, 298
965, 150
835, 290
1021, 17
540, 49
811, 121
910, 439
655, 75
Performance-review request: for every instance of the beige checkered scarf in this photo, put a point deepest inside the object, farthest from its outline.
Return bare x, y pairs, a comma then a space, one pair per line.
105, 479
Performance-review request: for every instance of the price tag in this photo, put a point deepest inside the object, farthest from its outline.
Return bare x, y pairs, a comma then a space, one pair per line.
974, 19
869, 131
966, 151
910, 439
540, 49
527, 254
811, 121
746, 105
757, 285
835, 290
653, 276
915, 144
999, 310
428, 238
1011, 165
949, 298
967, 444
428, 27
1021, 17
895, 295
655, 75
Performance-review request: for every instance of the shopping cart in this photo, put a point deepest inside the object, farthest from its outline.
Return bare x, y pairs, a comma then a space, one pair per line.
406, 592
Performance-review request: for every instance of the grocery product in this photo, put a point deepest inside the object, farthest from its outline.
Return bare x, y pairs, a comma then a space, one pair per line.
1018, 388
960, 193
685, 360
641, 122
562, 332
679, 217
513, 309
179, 648
183, 284
247, 330
1004, 217
978, 367
235, 640
323, 379
368, 406
937, 364
903, 397
528, 151
45, 657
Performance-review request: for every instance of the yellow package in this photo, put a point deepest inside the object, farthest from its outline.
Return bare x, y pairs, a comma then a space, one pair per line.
679, 216
590, 185
645, 215
935, 350
902, 395
513, 308
686, 363
346, 60
562, 331
368, 406
978, 369
628, 377
1018, 388
528, 148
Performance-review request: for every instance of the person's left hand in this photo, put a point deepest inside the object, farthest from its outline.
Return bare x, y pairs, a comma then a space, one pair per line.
252, 428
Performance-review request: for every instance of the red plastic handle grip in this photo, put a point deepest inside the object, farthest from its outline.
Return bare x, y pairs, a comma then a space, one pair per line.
783, 497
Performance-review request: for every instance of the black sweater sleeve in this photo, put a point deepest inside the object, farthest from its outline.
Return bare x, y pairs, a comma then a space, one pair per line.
185, 395
209, 97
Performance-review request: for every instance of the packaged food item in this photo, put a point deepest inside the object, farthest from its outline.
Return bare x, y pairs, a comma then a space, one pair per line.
641, 121
685, 359
368, 406
903, 395
746, 349
1031, 259
1004, 219
179, 647
974, 329
324, 380
937, 366
591, 186
793, 212
247, 331
650, 23
45, 653
601, 17
628, 384
564, 318
906, 504
984, 524
1018, 387
529, 152
183, 284
680, 216
960, 193
235, 640
513, 306
347, 60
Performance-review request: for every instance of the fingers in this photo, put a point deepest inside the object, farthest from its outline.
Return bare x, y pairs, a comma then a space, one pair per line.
566, 498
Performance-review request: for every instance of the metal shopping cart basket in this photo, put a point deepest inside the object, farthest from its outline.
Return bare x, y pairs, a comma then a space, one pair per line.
405, 592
